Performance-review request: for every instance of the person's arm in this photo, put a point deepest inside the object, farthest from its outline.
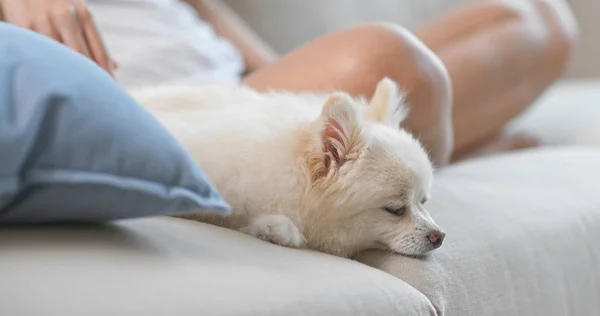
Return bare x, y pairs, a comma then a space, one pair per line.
228, 24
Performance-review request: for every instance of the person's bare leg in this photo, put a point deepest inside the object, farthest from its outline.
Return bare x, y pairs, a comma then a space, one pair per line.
501, 56
355, 60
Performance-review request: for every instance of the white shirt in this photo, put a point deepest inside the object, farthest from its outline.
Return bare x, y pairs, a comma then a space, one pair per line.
157, 41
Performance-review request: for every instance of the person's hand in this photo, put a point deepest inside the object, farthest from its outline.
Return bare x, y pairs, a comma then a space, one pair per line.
67, 21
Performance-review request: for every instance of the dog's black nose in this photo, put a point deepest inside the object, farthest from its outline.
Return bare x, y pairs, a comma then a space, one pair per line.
436, 237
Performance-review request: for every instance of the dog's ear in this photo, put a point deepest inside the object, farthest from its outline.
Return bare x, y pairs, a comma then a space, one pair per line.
341, 133
387, 104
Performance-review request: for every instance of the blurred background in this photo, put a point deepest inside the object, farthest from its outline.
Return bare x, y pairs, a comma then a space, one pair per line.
307, 19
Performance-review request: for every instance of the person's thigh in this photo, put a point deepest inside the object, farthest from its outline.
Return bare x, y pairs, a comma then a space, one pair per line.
356, 59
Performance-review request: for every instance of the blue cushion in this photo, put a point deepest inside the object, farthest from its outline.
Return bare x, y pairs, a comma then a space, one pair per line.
75, 147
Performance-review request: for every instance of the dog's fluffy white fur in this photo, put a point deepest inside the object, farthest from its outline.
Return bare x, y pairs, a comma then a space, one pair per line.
327, 172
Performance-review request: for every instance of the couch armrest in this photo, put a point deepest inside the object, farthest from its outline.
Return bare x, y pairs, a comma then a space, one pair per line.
176, 267
522, 237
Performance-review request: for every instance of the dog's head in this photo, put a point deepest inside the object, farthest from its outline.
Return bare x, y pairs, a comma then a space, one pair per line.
369, 178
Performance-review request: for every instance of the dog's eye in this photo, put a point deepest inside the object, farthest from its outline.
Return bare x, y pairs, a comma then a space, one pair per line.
424, 200
395, 210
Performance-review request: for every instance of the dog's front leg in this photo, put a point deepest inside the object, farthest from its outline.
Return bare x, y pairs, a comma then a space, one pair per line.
277, 229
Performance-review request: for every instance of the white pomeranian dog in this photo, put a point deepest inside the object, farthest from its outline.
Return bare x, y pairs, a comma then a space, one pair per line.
326, 172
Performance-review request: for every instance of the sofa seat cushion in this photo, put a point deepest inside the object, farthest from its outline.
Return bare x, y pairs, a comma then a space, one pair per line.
567, 114
167, 266
523, 237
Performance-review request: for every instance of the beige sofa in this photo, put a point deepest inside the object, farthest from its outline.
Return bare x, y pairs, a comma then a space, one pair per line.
523, 238
523, 233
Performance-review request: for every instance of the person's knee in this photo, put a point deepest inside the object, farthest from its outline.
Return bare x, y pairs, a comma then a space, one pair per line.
561, 25
565, 18
382, 49
553, 19
387, 50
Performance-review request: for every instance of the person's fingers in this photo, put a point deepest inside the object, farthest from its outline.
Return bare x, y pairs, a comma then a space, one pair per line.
113, 66
69, 30
92, 37
44, 27
18, 15
24, 23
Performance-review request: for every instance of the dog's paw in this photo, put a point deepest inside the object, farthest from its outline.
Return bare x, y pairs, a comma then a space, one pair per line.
278, 229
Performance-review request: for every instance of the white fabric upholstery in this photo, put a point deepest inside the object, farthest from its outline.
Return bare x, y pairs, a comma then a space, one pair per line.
172, 267
567, 114
523, 234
